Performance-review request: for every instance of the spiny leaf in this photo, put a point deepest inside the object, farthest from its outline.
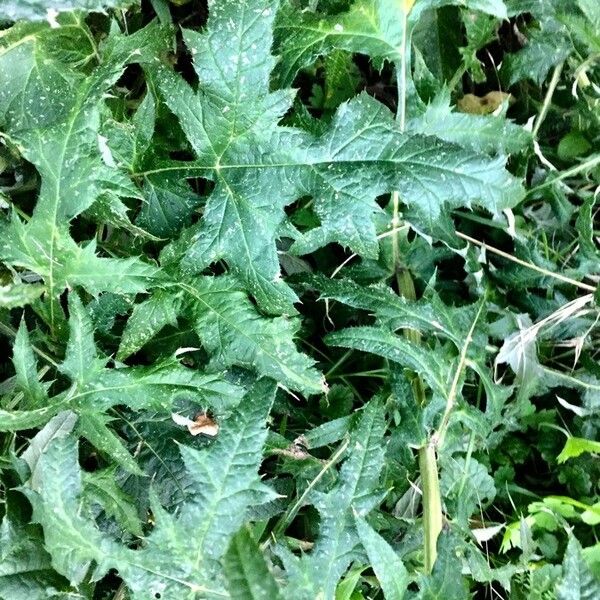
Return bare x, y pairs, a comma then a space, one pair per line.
60, 137
25, 568
374, 27
147, 319
490, 134
26, 370
577, 582
101, 487
396, 312
19, 294
248, 574
181, 556
230, 329
430, 365
32, 10
317, 574
391, 572
96, 388
235, 334
231, 123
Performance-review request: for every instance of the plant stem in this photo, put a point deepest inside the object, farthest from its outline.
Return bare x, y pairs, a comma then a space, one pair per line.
590, 163
292, 511
432, 504
523, 263
547, 99
438, 437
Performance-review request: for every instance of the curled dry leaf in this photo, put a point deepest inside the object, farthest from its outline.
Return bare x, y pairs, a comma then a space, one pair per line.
202, 424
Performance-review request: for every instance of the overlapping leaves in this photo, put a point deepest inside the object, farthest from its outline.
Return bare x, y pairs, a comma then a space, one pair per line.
259, 167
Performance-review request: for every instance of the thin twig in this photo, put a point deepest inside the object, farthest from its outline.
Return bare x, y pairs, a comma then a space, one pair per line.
524, 263
547, 99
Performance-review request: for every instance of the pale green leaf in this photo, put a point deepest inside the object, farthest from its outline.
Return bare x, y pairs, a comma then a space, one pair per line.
26, 370
31, 10
25, 569
19, 294
59, 426
575, 446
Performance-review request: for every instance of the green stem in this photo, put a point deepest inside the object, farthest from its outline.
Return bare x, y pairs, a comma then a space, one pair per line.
432, 504
547, 99
590, 163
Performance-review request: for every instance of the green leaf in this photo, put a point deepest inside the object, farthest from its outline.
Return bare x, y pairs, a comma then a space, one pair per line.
101, 487
181, 555
229, 327
25, 569
231, 123
60, 137
489, 134
318, 573
93, 427
81, 362
14, 420
577, 581
168, 205
26, 370
575, 447
69, 536
95, 388
390, 570
373, 27
446, 580
147, 319
32, 10
59, 426
466, 486
234, 333
396, 312
429, 364
247, 572
546, 47
19, 294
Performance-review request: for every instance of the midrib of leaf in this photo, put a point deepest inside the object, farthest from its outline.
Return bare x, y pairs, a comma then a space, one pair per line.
239, 218
405, 161
56, 200
194, 587
305, 383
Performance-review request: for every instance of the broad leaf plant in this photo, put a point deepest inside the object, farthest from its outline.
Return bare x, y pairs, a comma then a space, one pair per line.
298, 299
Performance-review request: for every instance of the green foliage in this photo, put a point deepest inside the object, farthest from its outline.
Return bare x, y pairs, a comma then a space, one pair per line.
298, 299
